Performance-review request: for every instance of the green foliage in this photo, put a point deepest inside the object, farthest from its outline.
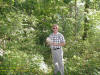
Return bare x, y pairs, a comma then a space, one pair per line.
67, 1
25, 24
82, 59
19, 62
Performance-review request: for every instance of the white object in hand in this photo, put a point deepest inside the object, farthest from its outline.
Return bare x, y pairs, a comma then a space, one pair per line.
49, 40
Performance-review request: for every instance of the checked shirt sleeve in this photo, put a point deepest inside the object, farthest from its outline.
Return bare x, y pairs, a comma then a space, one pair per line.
62, 39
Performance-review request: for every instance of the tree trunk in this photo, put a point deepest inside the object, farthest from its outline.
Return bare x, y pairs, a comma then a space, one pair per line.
86, 21
75, 18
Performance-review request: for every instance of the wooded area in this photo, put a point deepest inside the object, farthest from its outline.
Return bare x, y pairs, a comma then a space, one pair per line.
25, 24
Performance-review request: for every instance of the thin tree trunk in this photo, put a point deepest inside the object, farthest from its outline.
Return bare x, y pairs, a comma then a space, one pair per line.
15, 3
86, 21
75, 9
75, 18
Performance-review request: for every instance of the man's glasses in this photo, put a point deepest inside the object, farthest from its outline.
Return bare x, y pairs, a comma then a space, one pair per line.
55, 28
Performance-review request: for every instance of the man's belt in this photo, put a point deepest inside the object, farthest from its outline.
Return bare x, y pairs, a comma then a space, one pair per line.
56, 48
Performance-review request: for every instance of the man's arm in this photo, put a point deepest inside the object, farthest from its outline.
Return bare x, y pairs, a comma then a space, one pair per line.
58, 44
48, 41
62, 44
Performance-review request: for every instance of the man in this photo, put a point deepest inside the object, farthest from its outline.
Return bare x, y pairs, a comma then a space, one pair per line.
56, 41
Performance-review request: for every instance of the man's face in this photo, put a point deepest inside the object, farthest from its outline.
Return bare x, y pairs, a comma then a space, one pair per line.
55, 29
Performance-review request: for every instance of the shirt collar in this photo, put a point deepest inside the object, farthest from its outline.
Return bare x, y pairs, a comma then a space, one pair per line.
56, 33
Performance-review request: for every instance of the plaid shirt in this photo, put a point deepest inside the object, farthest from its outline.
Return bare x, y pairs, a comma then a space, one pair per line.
57, 38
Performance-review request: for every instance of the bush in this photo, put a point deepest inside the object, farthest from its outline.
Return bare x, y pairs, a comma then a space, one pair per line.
20, 63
